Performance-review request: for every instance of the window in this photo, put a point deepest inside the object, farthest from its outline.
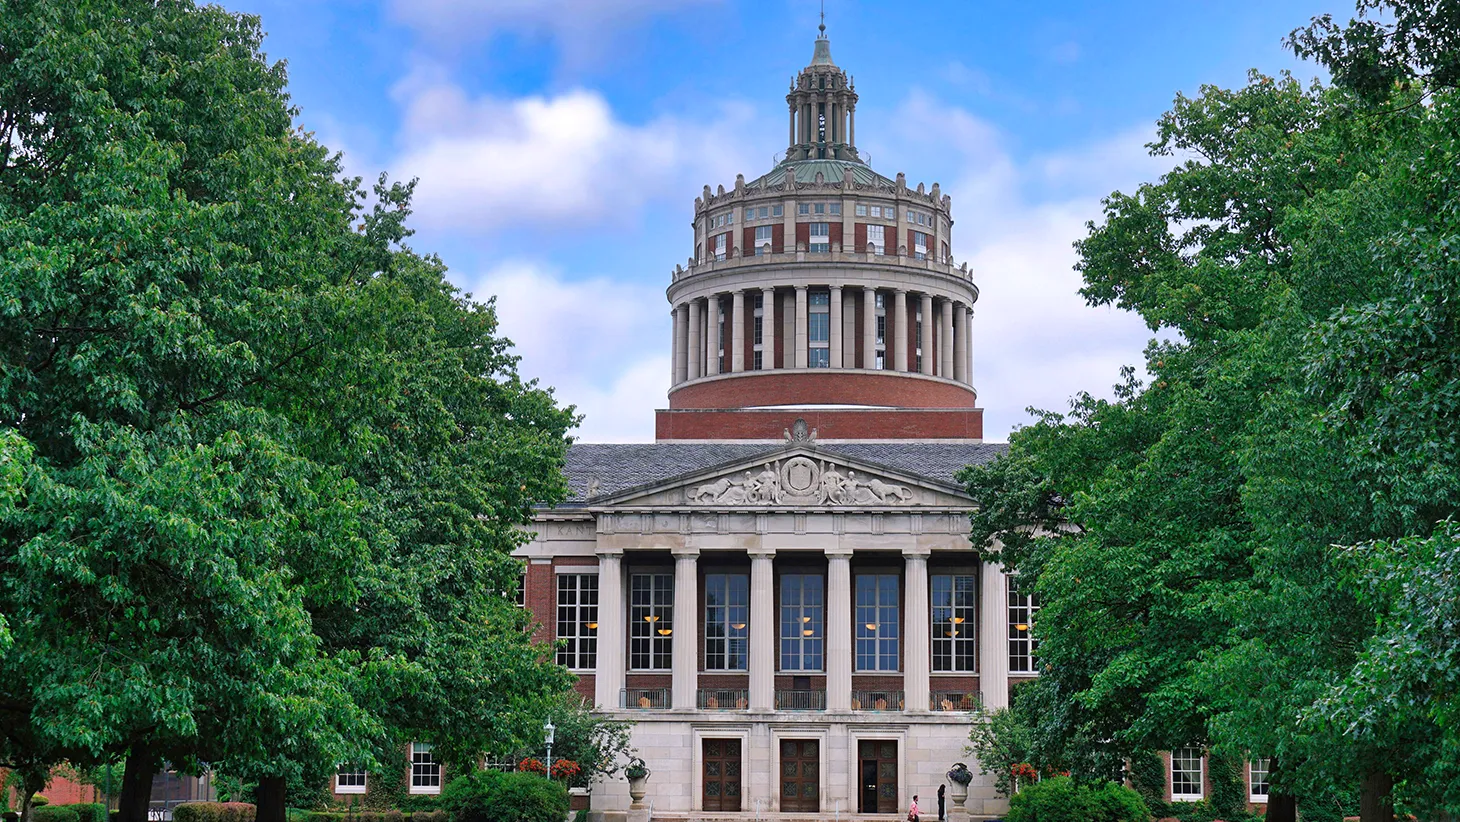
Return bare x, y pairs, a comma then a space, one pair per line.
877, 631
720, 246
763, 237
350, 779
519, 594
861, 210
804, 208
1257, 771
758, 332
910, 217
954, 618
922, 219
920, 245
876, 239
876, 211
578, 621
764, 212
1186, 773
651, 621
425, 770
778, 211
818, 330
720, 336
820, 208
820, 237
727, 614
1023, 646
835, 208
943, 249
881, 316
918, 335
801, 622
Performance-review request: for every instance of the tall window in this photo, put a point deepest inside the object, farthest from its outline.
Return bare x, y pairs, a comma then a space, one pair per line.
1257, 772
578, 621
918, 336
954, 618
920, 245
763, 236
876, 239
719, 336
820, 237
727, 614
758, 329
350, 779
720, 246
1023, 647
881, 317
801, 622
651, 621
1186, 772
425, 770
877, 623
818, 330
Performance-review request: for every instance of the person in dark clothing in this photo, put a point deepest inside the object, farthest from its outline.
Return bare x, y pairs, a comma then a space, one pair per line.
941, 788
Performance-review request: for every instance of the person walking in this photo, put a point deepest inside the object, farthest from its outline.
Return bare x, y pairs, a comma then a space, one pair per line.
912, 810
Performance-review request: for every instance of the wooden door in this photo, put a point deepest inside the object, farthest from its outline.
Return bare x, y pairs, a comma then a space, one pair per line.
800, 776
877, 767
722, 775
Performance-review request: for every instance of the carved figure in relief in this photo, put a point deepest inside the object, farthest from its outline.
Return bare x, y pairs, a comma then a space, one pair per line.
833, 485
710, 492
767, 486
800, 481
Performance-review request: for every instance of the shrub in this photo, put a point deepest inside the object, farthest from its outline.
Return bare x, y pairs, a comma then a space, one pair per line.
39, 800
488, 796
89, 812
53, 813
213, 812
1060, 799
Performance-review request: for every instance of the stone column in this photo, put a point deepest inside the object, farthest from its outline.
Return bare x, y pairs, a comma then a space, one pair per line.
801, 337
608, 678
737, 331
762, 630
849, 328
852, 126
993, 637
767, 329
835, 319
917, 657
897, 327
869, 328
945, 338
735, 231
960, 343
686, 628
681, 340
694, 350
675, 345
927, 336
712, 336
839, 630
968, 321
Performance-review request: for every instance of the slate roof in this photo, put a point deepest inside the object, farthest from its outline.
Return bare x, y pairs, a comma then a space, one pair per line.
619, 467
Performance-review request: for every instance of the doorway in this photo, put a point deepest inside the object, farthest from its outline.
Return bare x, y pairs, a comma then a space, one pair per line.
722, 766
800, 776
877, 769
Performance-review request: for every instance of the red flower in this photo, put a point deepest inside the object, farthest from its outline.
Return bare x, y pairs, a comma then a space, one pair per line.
532, 765
566, 769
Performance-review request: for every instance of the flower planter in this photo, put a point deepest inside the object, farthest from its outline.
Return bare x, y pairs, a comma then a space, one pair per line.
959, 793
637, 788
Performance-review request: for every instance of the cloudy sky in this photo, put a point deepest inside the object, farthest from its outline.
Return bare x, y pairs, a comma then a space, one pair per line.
560, 146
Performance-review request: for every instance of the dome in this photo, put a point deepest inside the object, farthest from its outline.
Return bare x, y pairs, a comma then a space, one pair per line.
831, 171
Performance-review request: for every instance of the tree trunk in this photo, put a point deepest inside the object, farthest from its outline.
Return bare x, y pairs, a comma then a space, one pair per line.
1282, 807
31, 783
136, 793
268, 797
1376, 804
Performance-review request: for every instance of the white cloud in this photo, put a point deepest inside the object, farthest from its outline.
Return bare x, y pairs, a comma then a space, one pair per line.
486, 164
579, 22
602, 344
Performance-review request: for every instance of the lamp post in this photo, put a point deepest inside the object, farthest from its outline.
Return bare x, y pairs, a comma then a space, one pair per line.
548, 730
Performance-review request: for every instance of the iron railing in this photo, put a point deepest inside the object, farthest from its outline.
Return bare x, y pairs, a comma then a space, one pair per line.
800, 700
724, 699
877, 700
955, 700
650, 699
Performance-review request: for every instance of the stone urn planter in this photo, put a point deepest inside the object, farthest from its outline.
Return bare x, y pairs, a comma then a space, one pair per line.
638, 775
958, 778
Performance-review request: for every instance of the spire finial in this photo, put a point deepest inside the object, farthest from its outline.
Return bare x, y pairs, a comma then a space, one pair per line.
822, 27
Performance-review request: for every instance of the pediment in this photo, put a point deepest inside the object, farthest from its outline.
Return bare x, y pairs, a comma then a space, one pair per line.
796, 477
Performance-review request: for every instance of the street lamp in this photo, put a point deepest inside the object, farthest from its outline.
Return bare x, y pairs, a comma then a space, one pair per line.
547, 730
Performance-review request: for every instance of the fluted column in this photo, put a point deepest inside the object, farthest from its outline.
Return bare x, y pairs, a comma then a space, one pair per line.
993, 638
681, 343
869, 328
675, 345
686, 629
608, 678
968, 321
712, 336
960, 343
767, 329
926, 340
762, 630
945, 338
839, 630
898, 329
835, 339
694, 351
852, 126
791, 139
801, 340
917, 656
737, 331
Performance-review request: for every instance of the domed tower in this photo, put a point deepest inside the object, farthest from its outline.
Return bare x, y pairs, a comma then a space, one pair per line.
822, 291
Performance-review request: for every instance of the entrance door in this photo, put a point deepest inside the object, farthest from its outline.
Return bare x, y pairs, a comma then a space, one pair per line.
800, 775
877, 766
722, 775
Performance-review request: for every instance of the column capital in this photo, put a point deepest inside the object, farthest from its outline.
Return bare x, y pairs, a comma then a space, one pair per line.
838, 553
761, 553
685, 552
610, 553
916, 552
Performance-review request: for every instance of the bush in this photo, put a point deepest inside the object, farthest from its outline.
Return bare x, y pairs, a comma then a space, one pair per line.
374, 816
488, 796
89, 812
1060, 799
213, 812
39, 800
53, 813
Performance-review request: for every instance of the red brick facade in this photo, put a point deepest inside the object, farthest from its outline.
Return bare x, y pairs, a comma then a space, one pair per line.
822, 387
831, 424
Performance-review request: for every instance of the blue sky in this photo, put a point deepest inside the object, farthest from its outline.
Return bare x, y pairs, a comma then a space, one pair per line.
560, 147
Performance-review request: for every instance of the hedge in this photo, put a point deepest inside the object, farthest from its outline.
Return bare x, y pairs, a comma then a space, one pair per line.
213, 812
375, 816
54, 813
489, 796
1061, 799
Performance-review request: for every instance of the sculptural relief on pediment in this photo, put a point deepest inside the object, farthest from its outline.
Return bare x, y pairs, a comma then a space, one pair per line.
803, 481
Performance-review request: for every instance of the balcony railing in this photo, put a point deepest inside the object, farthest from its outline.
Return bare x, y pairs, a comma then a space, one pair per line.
930, 262
649, 699
955, 701
724, 699
798, 700
877, 700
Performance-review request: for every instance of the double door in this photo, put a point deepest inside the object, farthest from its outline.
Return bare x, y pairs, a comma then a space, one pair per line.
877, 769
722, 767
800, 776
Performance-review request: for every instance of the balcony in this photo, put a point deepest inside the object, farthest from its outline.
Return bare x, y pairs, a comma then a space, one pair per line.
647, 699
800, 700
956, 701
929, 263
723, 699
877, 700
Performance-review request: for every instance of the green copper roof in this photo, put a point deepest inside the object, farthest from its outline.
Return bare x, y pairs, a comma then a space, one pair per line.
830, 171
821, 56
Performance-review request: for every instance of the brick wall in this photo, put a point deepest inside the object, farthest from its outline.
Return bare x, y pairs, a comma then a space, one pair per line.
827, 386
839, 424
